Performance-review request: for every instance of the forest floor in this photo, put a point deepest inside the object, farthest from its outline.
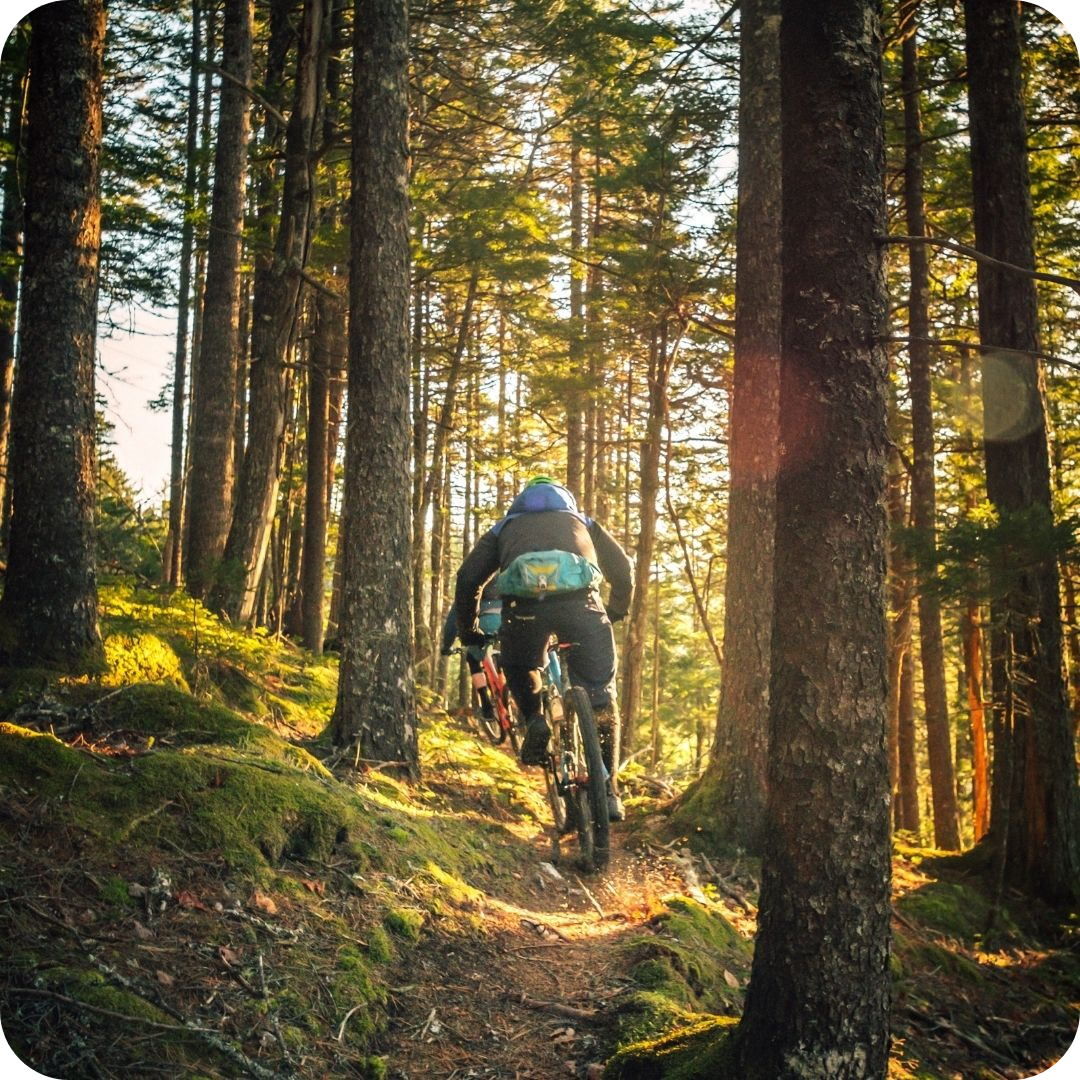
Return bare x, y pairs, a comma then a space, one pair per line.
186, 891
552, 984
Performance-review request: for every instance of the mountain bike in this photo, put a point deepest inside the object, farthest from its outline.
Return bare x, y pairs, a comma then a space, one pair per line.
502, 724
575, 774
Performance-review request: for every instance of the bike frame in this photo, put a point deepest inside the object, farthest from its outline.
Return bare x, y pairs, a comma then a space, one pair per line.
496, 682
556, 679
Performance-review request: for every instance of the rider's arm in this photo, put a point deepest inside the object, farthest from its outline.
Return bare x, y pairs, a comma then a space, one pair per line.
616, 566
478, 566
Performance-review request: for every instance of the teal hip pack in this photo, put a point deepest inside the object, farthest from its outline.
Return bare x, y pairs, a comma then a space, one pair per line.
540, 573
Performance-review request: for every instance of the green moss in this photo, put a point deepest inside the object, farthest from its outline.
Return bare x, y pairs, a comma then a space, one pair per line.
692, 958
956, 910
31, 759
114, 891
380, 947
404, 923
349, 959
648, 1014
141, 658
701, 1049
920, 959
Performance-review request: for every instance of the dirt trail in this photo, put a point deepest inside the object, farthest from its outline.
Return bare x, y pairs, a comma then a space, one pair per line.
531, 993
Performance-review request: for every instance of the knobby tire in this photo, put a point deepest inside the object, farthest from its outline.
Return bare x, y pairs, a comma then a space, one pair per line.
559, 811
594, 826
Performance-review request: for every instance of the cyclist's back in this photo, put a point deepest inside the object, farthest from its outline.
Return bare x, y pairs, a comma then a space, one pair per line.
550, 558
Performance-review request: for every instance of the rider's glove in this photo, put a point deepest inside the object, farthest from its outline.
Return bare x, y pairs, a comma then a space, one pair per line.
614, 616
473, 638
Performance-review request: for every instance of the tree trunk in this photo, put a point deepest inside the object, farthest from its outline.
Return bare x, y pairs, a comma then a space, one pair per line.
733, 786
443, 426
900, 604
329, 337
376, 715
660, 361
817, 1003
49, 605
173, 544
923, 496
11, 230
275, 309
575, 414
210, 485
1041, 831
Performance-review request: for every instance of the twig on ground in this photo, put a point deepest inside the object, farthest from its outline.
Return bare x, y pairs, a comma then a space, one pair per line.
559, 1008
592, 899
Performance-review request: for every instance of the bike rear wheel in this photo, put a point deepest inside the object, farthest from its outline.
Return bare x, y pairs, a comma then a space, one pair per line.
593, 824
511, 713
489, 725
554, 773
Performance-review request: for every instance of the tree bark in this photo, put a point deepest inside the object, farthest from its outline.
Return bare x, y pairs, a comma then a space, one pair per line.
49, 608
818, 1000
275, 308
213, 437
1040, 828
174, 542
11, 235
734, 783
375, 716
923, 493
662, 355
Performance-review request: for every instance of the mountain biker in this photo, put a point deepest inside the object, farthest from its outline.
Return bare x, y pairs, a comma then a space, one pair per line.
548, 559
490, 618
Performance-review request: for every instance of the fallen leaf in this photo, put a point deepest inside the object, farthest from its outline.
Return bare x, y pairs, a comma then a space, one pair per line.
731, 980
187, 899
317, 887
595, 1071
143, 933
262, 902
229, 957
164, 978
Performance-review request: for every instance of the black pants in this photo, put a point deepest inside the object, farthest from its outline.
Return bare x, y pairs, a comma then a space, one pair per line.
579, 620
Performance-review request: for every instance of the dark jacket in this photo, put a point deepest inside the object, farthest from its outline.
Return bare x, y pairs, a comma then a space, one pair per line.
489, 602
543, 530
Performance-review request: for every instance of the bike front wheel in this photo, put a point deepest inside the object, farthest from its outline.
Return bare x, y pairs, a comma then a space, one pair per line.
590, 791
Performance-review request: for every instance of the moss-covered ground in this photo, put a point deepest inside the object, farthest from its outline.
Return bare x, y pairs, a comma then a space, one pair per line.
186, 890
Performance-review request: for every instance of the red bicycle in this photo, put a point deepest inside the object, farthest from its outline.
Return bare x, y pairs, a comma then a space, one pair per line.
501, 723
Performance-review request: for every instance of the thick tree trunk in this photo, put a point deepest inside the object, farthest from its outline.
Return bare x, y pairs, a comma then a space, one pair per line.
49, 606
1040, 829
817, 1003
375, 715
213, 436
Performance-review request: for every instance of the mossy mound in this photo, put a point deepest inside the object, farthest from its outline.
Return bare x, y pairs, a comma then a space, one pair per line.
955, 910
694, 958
690, 1053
